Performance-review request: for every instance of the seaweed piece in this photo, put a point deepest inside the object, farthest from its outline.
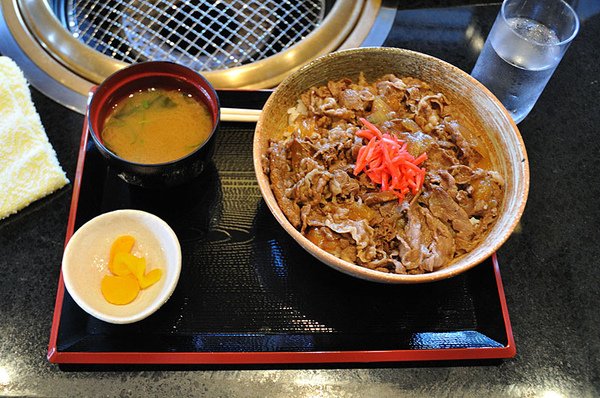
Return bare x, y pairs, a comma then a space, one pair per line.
128, 109
167, 102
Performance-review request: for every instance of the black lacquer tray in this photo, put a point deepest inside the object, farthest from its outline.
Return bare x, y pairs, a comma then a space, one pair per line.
248, 294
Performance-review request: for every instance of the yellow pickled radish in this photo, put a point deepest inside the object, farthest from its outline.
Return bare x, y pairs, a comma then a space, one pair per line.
150, 278
123, 244
119, 290
134, 265
129, 273
118, 266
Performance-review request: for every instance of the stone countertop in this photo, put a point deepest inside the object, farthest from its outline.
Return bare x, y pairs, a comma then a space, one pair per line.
550, 265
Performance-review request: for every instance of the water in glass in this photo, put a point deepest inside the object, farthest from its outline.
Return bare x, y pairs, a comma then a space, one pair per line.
517, 61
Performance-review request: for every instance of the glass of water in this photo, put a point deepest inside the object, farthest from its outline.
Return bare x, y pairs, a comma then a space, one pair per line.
523, 49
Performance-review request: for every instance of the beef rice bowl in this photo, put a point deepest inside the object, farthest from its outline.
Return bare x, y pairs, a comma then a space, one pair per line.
377, 216
386, 172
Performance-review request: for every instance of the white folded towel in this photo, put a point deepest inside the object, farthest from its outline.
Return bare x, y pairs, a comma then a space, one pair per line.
29, 169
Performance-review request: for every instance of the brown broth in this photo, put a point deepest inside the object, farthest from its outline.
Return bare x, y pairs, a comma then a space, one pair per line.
156, 126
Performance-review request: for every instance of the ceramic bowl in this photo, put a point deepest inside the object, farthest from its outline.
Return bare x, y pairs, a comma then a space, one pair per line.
141, 76
484, 112
85, 263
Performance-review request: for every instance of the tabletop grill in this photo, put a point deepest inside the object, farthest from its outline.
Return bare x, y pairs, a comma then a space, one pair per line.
67, 46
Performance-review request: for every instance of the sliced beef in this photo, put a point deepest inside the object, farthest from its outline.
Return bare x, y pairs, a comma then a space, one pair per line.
337, 87
446, 209
469, 153
332, 242
440, 158
378, 197
298, 149
428, 111
312, 178
445, 180
394, 92
351, 99
343, 185
462, 174
280, 177
442, 247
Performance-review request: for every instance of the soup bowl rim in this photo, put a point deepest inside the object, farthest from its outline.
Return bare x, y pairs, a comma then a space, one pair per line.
96, 136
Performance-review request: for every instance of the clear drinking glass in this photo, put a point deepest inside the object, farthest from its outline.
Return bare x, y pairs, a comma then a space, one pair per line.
524, 47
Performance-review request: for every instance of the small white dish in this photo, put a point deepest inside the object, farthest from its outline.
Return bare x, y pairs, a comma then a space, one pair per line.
85, 263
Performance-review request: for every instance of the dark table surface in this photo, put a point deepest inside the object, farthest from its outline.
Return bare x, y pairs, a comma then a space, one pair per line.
550, 265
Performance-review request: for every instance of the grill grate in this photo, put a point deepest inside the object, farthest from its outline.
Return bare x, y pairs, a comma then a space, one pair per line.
204, 35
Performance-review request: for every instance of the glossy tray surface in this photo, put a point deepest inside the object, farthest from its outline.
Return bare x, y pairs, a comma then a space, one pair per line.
249, 294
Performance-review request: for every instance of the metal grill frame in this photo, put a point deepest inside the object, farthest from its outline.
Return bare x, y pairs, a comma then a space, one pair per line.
33, 33
142, 30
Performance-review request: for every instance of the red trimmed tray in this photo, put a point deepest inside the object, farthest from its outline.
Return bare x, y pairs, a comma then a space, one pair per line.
248, 294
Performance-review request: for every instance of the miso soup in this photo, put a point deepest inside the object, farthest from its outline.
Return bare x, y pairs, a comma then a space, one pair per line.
156, 126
